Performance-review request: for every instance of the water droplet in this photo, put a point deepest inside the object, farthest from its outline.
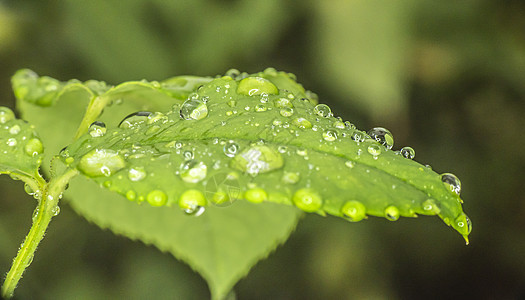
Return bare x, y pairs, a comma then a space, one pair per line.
187, 155
392, 213
302, 123
350, 164
134, 119
430, 207
136, 174
231, 149
252, 86
6, 115
11, 142
97, 129
193, 171
383, 136
260, 108
101, 162
232, 103
233, 73
339, 125
330, 135
194, 109
323, 110
358, 136
463, 225
375, 150
301, 151
157, 198
349, 125
256, 195
452, 182
34, 147
56, 210
257, 159
15, 129
286, 112
307, 200
290, 177
355, 211
131, 195
283, 102
408, 152
157, 117
192, 202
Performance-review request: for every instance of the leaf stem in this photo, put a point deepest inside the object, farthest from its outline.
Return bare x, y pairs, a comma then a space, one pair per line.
93, 111
42, 215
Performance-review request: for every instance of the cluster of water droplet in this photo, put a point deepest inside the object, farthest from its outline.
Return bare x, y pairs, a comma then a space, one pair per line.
17, 136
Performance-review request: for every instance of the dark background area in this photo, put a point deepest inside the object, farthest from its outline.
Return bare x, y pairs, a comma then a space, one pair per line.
447, 78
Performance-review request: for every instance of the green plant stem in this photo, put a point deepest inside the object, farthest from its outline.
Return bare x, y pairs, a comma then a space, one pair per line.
43, 214
93, 111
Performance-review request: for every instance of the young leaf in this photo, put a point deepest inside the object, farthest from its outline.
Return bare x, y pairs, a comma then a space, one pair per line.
20, 149
276, 144
232, 234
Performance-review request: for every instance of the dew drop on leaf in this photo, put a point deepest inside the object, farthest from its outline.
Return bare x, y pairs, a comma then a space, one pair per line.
374, 150
430, 207
252, 86
157, 198
354, 211
231, 149
358, 136
193, 171
408, 152
157, 117
101, 162
290, 177
257, 159
392, 213
302, 123
6, 115
452, 182
307, 200
330, 135
193, 109
97, 129
15, 129
192, 202
56, 210
383, 136
286, 111
11, 142
136, 173
256, 195
134, 119
323, 110
34, 147
283, 102
131, 195
260, 108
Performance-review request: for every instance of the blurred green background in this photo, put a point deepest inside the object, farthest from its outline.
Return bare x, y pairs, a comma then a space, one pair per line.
447, 78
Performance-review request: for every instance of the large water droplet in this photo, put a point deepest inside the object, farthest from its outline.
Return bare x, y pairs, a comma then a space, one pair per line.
256, 195
34, 147
134, 119
375, 150
194, 109
192, 202
323, 110
392, 213
330, 135
157, 117
408, 152
452, 182
252, 86
157, 198
136, 173
101, 162
231, 149
286, 112
6, 115
193, 171
307, 200
257, 159
354, 210
97, 129
383, 136
302, 123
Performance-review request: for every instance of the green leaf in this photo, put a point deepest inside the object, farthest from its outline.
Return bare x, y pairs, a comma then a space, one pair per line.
275, 146
21, 150
166, 228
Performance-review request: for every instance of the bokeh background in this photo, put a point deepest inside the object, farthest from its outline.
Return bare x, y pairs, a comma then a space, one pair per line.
446, 77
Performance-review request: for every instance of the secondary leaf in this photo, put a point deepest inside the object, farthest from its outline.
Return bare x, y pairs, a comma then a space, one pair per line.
166, 228
20, 149
275, 145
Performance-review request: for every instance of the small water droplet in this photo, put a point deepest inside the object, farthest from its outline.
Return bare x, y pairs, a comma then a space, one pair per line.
193, 171
56, 210
131, 195
290, 177
157, 198
302, 123
233, 73
355, 211
307, 200
260, 108
383, 136
135, 119
358, 136
330, 135
375, 150
11, 142
408, 152
136, 173
286, 112
257, 159
452, 182
101, 162
252, 86
283, 102
97, 129
192, 202
34, 147
392, 213
15, 129
349, 125
187, 155
350, 164
194, 109
231, 149
157, 117
339, 125
430, 207
6, 115
256, 195
302, 151
323, 110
